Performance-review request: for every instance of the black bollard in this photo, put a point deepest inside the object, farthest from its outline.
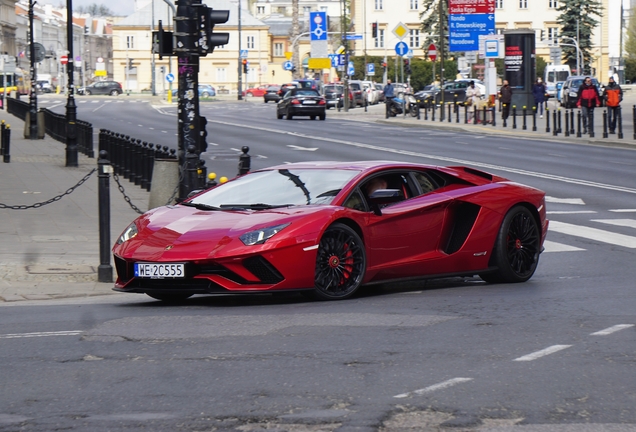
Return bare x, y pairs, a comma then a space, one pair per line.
547, 120
505, 123
484, 118
6, 136
245, 161
105, 270
2, 128
590, 123
534, 119
572, 130
559, 119
450, 112
465, 114
605, 134
426, 110
475, 115
578, 124
514, 117
555, 129
457, 111
433, 112
619, 121
525, 124
567, 123
634, 120
493, 111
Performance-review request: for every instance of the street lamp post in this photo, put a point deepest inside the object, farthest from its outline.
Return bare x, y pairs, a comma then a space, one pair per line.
71, 108
579, 55
33, 98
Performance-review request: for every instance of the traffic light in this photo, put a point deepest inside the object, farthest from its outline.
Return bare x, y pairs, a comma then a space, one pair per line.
542, 35
407, 67
374, 30
203, 142
162, 42
384, 65
130, 63
207, 39
245, 65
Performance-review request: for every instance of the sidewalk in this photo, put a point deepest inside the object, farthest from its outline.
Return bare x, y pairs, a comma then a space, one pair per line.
52, 251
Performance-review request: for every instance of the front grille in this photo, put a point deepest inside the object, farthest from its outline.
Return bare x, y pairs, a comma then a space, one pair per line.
124, 269
262, 269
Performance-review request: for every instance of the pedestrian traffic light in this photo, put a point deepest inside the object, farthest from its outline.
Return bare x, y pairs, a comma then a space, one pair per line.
374, 30
384, 65
203, 142
245, 65
207, 18
407, 67
130, 63
162, 42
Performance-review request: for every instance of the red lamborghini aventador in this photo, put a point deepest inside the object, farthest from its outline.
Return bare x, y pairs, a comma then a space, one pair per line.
332, 227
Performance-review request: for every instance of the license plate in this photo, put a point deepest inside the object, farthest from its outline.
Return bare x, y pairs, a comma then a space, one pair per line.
309, 102
159, 271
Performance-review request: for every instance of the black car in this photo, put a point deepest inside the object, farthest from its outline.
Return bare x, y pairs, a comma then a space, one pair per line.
453, 92
334, 95
302, 102
271, 94
112, 88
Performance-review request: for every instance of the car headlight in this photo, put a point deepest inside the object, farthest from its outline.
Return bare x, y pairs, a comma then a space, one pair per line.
572, 94
128, 233
260, 236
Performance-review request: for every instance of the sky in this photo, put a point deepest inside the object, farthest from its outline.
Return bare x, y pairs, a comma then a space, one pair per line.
119, 7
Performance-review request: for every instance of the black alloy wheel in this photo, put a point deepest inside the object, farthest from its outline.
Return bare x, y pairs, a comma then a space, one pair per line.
517, 249
340, 264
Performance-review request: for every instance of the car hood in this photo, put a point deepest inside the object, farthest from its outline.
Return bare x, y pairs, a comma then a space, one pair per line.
180, 232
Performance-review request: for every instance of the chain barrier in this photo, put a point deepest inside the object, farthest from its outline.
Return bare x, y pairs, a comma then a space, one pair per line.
126, 197
52, 200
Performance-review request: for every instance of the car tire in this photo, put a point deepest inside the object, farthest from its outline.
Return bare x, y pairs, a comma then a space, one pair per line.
312, 117
170, 298
205, 94
517, 248
265, 100
114, 93
279, 116
289, 116
87, 92
341, 263
322, 116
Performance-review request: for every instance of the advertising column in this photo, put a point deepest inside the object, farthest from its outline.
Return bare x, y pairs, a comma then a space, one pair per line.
520, 66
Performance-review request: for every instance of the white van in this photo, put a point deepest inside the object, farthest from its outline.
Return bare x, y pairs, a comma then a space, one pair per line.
553, 75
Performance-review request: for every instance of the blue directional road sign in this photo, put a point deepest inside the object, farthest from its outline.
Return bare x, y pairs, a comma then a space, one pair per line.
244, 53
401, 48
354, 37
351, 69
335, 60
464, 30
318, 26
288, 65
169, 77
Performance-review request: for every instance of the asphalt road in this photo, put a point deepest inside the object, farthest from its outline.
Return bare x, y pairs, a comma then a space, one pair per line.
553, 354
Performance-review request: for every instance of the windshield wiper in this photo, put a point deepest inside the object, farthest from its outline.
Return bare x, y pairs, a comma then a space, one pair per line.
258, 206
200, 206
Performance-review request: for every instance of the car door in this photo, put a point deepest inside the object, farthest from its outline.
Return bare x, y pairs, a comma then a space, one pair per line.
407, 233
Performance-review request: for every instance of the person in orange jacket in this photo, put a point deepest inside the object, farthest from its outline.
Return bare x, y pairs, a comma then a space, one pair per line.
587, 100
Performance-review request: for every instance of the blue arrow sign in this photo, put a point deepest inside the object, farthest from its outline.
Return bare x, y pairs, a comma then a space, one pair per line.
288, 65
351, 69
401, 48
169, 77
318, 26
464, 30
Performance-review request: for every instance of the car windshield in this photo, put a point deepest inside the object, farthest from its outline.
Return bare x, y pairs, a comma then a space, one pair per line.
278, 188
333, 89
308, 92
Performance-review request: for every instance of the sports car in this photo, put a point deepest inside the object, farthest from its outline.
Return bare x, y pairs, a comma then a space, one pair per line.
330, 228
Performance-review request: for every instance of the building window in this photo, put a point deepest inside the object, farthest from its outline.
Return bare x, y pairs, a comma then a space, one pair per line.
553, 4
260, 10
523, 4
414, 38
499, 4
379, 4
250, 42
221, 75
130, 42
553, 33
278, 50
415, 4
379, 41
306, 9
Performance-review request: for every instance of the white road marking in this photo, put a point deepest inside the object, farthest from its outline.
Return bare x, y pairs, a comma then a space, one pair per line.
623, 210
630, 223
542, 353
295, 147
572, 212
575, 201
451, 160
612, 329
551, 246
41, 334
593, 234
440, 386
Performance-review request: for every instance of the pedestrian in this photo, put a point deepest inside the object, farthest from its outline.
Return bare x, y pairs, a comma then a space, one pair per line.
389, 90
587, 100
505, 97
473, 97
539, 91
613, 96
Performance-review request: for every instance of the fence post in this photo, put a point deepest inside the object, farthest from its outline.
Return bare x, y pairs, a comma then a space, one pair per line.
559, 119
578, 124
555, 129
105, 270
505, 123
6, 157
605, 135
572, 130
619, 120
245, 161
567, 123
547, 119
525, 125
514, 116
2, 127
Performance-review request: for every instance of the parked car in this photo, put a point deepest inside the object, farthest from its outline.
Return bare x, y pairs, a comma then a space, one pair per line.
318, 227
271, 94
256, 91
358, 92
379, 88
44, 86
454, 91
302, 102
205, 91
112, 88
570, 89
334, 96
370, 93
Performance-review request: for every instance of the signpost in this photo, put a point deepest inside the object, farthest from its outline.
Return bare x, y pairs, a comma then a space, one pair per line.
401, 49
467, 20
64, 59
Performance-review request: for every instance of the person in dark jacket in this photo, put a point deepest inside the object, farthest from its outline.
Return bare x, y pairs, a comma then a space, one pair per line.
538, 91
587, 100
613, 96
505, 97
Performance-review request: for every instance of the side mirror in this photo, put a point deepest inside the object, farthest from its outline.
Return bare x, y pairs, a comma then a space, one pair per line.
383, 197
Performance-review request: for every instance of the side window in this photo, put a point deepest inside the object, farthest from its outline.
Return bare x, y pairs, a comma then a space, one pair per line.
355, 201
426, 182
